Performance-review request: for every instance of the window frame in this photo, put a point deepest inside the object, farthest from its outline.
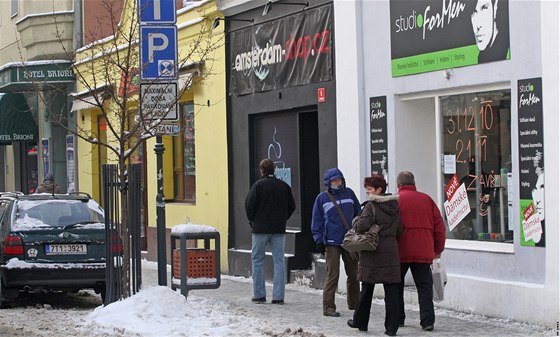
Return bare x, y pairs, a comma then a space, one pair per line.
184, 181
474, 244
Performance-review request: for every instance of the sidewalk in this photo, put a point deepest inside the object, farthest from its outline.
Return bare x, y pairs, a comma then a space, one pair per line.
303, 311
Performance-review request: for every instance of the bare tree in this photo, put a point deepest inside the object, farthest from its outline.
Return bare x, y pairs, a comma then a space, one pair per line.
101, 65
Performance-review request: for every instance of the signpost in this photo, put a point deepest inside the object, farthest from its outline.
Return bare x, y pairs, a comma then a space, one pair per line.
157, 12
158, 56
158, 61
159, 101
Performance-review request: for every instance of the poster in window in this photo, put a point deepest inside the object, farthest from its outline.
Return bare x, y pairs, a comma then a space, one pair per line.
71, 163
378, 135
531, 162
45, 156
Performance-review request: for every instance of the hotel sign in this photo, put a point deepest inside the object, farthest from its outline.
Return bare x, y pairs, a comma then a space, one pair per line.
18, 73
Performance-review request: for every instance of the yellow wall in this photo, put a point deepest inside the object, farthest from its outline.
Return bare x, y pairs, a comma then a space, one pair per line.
210, 142
211, 206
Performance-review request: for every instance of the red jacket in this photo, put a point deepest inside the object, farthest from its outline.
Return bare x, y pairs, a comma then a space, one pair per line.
423, 229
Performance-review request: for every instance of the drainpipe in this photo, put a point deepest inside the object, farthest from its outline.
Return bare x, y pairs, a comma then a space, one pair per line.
78, 39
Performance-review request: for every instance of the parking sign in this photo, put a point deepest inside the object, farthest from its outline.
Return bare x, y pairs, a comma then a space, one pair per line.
157, 11
159, 101
158, 52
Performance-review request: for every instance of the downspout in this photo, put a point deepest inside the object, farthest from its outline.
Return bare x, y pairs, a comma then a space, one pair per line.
78, 38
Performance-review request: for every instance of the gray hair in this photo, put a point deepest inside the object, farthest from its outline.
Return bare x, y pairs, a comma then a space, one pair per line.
405, 178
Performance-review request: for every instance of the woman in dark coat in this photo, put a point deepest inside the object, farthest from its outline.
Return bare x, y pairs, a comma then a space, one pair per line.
381, 265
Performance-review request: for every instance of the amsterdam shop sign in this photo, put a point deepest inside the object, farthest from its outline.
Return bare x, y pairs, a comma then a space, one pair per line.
18, 73
429, 35
294, 50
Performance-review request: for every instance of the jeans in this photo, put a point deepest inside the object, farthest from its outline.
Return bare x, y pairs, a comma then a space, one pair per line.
332, 259
392, 312
422, 274
277, 243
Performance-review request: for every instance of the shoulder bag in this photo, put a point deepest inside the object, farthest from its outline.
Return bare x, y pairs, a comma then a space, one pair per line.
354, 241
367, 241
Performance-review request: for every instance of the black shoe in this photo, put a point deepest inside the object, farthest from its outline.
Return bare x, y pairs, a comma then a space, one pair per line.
390, 333
277, 302
428, 328
351, 324
352, 308
259, 299
331, 314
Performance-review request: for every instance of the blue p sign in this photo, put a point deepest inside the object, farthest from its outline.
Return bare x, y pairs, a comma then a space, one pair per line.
158, 52
157, 11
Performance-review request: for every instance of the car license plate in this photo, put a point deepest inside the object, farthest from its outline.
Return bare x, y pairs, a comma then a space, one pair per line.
66, 249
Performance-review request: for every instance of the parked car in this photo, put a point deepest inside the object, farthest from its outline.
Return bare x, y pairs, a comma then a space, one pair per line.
51, 242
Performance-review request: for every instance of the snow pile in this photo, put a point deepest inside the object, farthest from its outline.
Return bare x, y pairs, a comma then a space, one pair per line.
160, 311
192, 229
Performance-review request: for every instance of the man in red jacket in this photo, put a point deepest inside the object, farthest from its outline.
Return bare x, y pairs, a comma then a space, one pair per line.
422, 240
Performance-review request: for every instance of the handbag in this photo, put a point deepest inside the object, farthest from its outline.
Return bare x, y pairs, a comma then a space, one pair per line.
439, 276
354, 241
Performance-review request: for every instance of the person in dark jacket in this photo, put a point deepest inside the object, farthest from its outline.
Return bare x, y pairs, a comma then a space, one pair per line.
422, 240
268, 206
48, 185
328, 230
383, 264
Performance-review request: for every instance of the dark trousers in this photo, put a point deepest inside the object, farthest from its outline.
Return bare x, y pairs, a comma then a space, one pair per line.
422, 275
332, 259
392, 312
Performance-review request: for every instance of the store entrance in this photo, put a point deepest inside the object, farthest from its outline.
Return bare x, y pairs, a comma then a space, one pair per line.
27, 174
416, 143
290, 140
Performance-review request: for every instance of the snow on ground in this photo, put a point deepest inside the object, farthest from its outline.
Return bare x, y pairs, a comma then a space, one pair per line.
160, 311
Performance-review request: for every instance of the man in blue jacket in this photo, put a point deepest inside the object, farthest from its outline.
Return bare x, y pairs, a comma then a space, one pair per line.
328, 230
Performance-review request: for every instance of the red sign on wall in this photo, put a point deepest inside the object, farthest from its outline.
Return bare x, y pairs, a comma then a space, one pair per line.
321, 96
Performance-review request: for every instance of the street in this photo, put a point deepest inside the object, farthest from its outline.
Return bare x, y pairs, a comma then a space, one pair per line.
228, 311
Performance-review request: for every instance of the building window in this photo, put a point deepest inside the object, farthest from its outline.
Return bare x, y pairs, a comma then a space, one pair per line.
184, 157
14, 8
477, 151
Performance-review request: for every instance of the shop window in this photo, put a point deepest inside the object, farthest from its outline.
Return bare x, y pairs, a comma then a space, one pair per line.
184, 168
477, 157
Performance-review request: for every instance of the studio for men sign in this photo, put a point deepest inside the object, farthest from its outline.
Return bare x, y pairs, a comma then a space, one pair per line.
428, 35
378, 135
531, 162
294, 50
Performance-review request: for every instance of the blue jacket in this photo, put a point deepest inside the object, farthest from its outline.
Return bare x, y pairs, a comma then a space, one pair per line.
326, 225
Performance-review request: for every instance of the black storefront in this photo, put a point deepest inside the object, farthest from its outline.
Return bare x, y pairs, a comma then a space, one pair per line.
282, 106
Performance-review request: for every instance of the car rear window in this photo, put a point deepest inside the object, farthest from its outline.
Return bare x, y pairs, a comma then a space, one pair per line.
33, 214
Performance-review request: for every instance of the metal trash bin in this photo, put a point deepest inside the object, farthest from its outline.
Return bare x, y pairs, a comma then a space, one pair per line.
195, 268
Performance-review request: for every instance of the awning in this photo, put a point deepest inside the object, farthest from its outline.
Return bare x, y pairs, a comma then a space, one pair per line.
83, 103
16, 121
85, 99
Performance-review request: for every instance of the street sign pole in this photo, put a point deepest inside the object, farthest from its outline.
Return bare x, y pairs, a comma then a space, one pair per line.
160, 215
158, 61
